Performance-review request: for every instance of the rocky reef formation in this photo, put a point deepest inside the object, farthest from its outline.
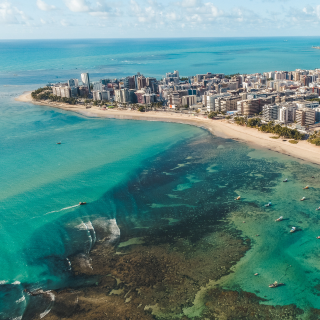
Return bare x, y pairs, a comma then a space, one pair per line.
143, 281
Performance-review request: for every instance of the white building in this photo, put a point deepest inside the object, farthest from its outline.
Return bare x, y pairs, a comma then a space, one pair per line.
85, 80
308, 104
270, 112
210, 103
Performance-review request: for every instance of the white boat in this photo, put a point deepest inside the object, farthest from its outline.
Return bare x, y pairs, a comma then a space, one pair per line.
318, 209
279, 219
304, 198
286, 180
268, 204
293, 229
275, 284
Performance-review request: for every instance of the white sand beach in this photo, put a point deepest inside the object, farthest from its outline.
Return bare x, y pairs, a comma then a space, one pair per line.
303, 150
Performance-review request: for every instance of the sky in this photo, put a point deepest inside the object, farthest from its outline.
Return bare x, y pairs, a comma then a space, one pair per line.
68, 19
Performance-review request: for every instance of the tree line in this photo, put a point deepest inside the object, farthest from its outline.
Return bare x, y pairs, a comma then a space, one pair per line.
270, 127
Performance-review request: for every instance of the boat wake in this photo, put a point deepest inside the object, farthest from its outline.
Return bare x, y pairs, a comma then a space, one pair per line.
63, 209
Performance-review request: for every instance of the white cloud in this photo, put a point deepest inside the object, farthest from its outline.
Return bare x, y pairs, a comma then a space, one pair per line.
317, 10
190, 3
104, 11
44, 6
12, 15
65, 23
151, 12
77, 5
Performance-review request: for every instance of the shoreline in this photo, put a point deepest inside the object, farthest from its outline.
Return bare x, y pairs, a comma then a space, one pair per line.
302, 151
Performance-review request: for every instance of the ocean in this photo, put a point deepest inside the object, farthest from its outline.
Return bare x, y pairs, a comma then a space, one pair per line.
163, 186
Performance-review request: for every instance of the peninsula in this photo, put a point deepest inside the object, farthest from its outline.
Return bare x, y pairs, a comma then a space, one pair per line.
276, 110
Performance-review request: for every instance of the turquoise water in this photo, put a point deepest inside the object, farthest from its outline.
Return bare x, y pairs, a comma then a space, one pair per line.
136, 174
42, 182
26, 62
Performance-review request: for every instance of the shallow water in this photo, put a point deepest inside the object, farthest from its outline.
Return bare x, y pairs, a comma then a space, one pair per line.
177, 182
147, 184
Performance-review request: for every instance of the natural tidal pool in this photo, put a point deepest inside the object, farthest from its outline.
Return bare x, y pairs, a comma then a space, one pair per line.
161, 236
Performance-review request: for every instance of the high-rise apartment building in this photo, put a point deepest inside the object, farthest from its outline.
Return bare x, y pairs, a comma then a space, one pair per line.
270, 112
129, 83
85, 80
73, 83
142, 82
305, 117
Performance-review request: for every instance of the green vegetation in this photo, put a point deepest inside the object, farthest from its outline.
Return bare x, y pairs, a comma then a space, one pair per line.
46, 94
231, 75
281, 131
141, 109
315, 138
270, 128
184, 78
275, 137
228, 117
253, 122
293, 141
314, 99
212, 114
270, 79
240, 121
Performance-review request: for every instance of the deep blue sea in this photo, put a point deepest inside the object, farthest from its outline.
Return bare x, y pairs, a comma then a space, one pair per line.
41, 224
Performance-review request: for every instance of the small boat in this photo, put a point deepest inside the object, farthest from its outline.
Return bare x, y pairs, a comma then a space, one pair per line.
256, 274
305, 188
318, 209
58, 142
279, 219
238, 198
286, 180
318, 237
275, 285
82, 203
304, 198
293, 229
268, 204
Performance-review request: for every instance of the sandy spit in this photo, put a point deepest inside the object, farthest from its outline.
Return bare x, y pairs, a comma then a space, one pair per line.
303, 150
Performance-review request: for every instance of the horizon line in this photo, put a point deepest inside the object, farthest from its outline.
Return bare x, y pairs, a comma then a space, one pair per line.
156, 38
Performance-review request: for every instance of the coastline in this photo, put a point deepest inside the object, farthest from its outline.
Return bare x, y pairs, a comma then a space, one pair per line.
303, 150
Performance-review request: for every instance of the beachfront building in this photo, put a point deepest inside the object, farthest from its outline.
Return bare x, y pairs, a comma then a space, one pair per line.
305, 117
189, 100
61, 90
228, 103
317, 110
121, 95
287, 113
210, 103
270, 112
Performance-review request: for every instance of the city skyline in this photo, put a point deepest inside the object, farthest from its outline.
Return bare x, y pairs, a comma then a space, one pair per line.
48, 19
